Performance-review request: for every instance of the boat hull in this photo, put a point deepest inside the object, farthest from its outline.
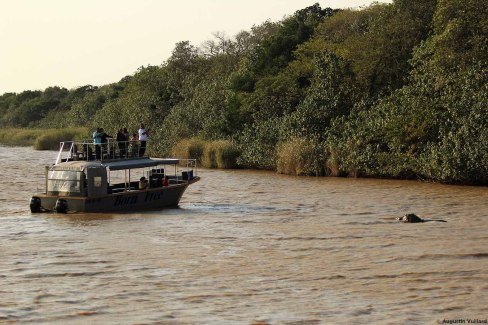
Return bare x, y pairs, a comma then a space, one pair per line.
150, 199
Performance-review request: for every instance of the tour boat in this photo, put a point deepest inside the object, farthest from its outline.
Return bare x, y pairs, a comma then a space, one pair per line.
114, 180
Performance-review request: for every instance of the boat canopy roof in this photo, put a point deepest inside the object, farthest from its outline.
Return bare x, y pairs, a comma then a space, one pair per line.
115, 165
139, 163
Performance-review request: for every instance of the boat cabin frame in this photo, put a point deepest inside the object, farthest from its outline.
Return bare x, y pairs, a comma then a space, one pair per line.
117, 183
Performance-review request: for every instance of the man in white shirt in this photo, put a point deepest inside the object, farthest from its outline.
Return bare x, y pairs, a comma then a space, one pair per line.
143, 135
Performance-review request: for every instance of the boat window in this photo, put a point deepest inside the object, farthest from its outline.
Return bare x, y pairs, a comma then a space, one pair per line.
64, 181
97, 181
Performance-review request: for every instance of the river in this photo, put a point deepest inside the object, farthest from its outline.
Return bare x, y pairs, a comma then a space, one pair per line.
246, 247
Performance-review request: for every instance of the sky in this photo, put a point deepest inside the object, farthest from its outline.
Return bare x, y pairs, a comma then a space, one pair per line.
72, 43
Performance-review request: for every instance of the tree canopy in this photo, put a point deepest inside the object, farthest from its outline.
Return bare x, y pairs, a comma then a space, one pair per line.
391, 90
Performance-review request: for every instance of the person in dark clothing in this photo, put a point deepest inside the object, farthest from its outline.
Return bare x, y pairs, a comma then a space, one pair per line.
122, 143
127, 134
104, 140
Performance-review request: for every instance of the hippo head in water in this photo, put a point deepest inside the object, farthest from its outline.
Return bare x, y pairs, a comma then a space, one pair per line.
413, 218
410, 218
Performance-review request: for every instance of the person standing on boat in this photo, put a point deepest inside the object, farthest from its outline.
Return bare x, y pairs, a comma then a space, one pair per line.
97, 141
104, 137
127, 136
143, 135
122, 143
134, 145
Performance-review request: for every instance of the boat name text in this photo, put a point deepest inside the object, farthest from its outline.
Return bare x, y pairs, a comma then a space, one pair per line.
122, 200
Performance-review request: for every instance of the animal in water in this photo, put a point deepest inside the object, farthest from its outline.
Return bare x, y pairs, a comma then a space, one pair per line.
413, 218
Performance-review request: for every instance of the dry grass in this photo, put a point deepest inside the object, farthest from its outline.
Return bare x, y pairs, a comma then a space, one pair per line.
189, 149
298, 157
225, 154
214, 154
209, 158
50, 140
41, 139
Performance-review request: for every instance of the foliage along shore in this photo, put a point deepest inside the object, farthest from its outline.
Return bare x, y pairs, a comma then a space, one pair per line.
392, 90
40, 139
210, 154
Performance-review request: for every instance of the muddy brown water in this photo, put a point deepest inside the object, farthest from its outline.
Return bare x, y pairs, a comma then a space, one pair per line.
246, 247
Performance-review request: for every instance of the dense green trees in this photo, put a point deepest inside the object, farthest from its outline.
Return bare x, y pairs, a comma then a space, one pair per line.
432, 127
392, 90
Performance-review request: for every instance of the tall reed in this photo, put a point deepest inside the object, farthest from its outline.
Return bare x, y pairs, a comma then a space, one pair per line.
18, 137
209, 158
189, 149
213, 154
225, 154
299, 157
50, 140
41, 139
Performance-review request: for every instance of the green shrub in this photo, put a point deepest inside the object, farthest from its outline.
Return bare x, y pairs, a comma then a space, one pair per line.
257, 144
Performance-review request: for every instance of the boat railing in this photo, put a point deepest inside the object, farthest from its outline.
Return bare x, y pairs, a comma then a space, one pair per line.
188, 170
183, 172
111, 150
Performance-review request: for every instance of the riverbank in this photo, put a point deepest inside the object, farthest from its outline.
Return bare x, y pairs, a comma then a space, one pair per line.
294, 158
